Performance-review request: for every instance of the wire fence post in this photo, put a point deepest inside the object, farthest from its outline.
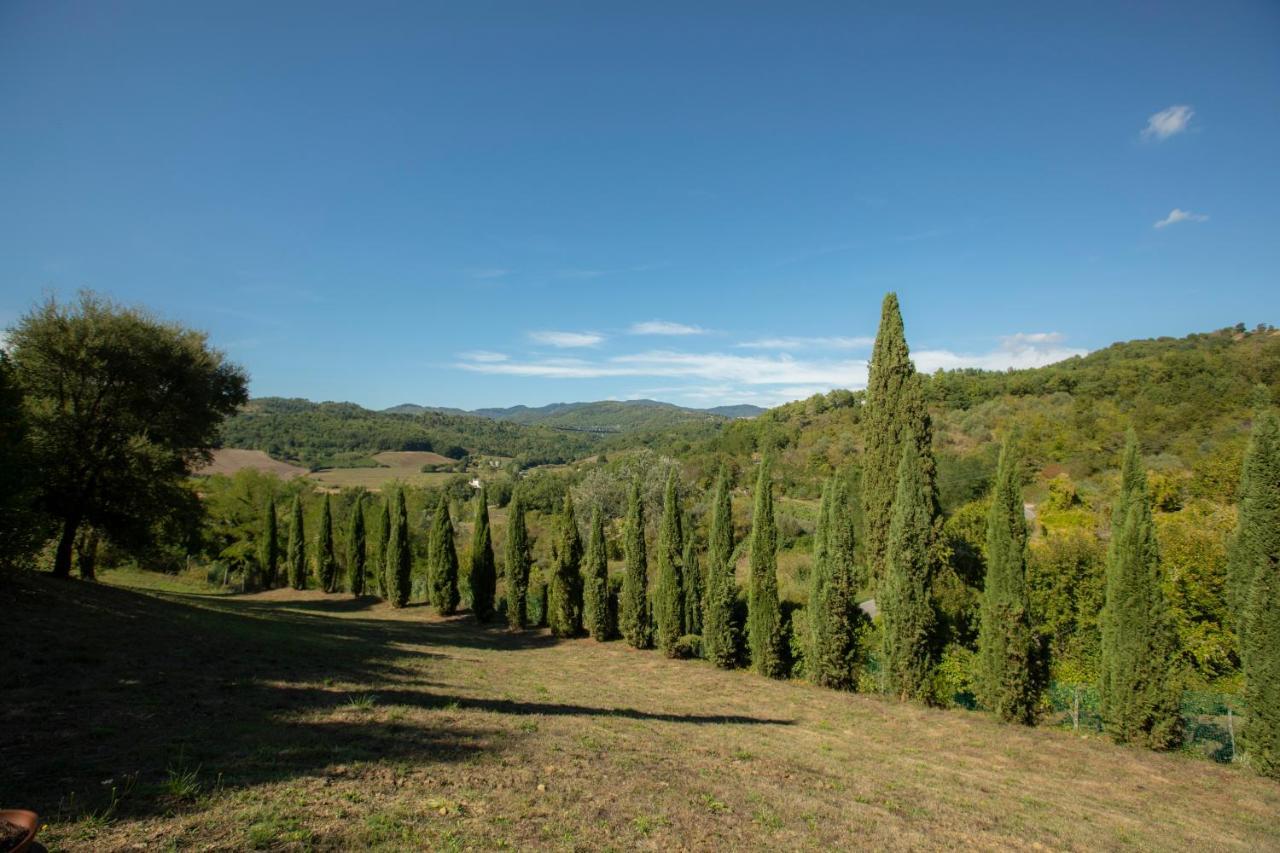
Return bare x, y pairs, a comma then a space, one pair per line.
1075, 709
1231, 730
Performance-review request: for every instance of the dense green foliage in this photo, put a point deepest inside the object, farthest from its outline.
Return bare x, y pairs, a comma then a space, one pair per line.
764, 614
597, 615
905, 602
836, 624
326, 559
1007, 681
297, 554
269, 547
356, 548
22, 528
442, 562
399, 552
1140, 688
384, 541
564, 590
668, 594
482, 579
691, 577
518, 562
1256, 538
894, 412
119, 408
719, 631
633, 608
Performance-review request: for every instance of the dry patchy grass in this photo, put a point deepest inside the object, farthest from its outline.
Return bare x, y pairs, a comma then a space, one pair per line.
297, 720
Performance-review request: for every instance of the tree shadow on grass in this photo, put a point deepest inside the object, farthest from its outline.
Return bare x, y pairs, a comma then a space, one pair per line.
104, 685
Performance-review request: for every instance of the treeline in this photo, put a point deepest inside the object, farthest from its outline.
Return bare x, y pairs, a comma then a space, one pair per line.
327, 434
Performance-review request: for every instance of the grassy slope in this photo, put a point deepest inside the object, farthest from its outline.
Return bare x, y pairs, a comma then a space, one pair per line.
479, 738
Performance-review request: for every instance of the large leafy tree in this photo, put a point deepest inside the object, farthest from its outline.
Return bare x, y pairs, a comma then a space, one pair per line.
442, 571
764, 615
399, 555
719, 633
121, 407
633, 609
356, 547
837, 624
905, 602
564, 590
296, 557
894, 411
22, 528
518, 562
1141, 686
597, 616
1008, 681
326, 559
482, 577
668, 594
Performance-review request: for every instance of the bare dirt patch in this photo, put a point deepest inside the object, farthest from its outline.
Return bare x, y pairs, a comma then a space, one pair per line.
229, 460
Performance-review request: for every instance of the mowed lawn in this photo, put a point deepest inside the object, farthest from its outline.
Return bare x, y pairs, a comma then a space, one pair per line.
292, 720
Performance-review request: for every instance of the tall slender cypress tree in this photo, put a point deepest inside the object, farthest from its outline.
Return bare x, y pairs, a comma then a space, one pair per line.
691, 575
1007, 680
384, 538
818, 575
633, 615
442, 573
596, 613
908, 621
518, 561
399, 558
1254, 592
1140, 689
356, 547
297, 553
483, 577
1257, 534
326, 560
668, 593
564, 591
894, 409
719, 633
836, 646
269, 547
764, 616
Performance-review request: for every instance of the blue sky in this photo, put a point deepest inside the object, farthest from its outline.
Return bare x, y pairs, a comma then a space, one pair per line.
494, 203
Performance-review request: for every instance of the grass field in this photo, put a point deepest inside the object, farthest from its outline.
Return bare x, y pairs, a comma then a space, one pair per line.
169, 717
402, 465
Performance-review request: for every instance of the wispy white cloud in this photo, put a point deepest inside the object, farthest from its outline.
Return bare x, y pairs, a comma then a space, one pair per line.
787, 344
1017, 351
483, 355
1168, 122
567, 340
1177, 215
664, 327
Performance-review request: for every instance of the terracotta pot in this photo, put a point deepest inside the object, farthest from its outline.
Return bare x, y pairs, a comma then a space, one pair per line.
30, 821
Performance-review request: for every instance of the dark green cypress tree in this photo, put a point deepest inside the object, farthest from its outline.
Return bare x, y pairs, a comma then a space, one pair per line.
326, 560
764, 615
905, 602
442, 572
691, 575
399, 558
269, 547
297, 553
384, 538
596, 614
1254, 589
564, 589
1007, 681
518, 563
668, 593
483, 577
1257, 534
818, 574
356, 547
836, 648
1140, 689
633, 615
894, 409
719, 633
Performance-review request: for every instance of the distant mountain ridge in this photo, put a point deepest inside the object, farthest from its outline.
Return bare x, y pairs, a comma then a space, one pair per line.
598, 416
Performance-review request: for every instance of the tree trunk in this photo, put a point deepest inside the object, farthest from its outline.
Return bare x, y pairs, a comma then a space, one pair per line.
62, 557
87, 553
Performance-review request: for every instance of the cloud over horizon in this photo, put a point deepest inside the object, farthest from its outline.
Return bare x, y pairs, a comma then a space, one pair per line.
567, 340
664, 327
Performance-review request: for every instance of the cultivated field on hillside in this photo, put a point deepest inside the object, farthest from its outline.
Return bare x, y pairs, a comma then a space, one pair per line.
295, 720
229, 460
402, 465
